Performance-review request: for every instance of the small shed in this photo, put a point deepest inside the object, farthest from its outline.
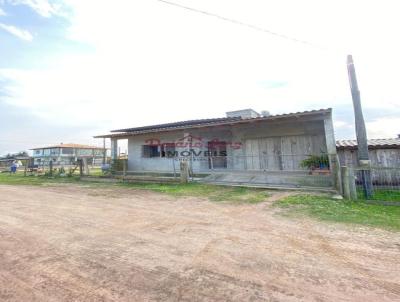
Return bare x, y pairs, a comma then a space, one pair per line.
383, 153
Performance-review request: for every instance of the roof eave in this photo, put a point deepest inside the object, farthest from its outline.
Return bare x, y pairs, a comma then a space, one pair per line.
240, 121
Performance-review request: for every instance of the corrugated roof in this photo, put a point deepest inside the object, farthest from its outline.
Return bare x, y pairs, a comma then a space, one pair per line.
206, 123
372, 143
69, 145
179, 124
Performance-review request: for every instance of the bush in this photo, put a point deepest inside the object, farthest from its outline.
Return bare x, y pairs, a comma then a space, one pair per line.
315, 162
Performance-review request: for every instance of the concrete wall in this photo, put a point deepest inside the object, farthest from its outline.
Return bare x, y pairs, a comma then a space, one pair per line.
136, 162
295, 136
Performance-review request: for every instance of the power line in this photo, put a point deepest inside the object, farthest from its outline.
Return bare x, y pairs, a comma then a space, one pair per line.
238, 22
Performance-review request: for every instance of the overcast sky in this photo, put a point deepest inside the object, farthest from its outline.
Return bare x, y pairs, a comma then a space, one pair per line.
71, 69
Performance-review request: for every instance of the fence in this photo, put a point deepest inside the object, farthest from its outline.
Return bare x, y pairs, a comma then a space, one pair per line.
57, 169
371, 183
292, 170
276, 162
317, 164
385, 183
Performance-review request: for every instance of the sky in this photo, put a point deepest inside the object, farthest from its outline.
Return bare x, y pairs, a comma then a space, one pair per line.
72, 69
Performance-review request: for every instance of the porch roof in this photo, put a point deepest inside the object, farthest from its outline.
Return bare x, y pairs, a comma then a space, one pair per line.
121, 133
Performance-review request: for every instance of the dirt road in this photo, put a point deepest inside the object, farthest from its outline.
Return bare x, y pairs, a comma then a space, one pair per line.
70, 243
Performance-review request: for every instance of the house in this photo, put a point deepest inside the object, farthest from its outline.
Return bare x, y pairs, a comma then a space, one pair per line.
383, 153
244, 146
67, 154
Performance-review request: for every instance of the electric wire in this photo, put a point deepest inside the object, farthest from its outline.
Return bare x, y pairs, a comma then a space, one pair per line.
241, 23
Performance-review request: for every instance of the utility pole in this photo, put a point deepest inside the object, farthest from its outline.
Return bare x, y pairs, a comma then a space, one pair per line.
361, 133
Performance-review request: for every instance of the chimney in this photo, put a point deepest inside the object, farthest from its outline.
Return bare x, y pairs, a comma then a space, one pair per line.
244, 113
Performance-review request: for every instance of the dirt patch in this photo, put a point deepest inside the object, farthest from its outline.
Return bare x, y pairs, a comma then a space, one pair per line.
278, 195
72, 243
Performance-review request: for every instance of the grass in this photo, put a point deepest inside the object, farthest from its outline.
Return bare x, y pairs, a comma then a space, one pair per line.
351, 212
20, 179
382, 195
213, 193
317, 206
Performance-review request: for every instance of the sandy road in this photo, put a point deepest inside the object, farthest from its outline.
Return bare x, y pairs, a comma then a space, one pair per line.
70, 243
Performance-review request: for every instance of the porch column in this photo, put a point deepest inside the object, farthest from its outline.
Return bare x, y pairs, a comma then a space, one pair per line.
114, 148
333, 157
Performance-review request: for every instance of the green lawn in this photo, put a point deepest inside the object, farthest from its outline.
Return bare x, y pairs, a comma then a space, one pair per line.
381, 195
20, 179
352, 212
213, 193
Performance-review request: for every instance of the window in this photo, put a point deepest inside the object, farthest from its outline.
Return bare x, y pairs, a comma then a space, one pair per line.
150, 151
168, 150
38, 152
67, 151
164, 150
99, 152
54, 151
84, 152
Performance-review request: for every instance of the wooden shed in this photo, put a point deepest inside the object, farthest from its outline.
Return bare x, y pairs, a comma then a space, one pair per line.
383, 153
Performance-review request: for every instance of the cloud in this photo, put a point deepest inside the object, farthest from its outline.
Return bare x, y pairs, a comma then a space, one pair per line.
22, 130
153, 63
41, 7
342, 124
387, 127
2, 12
20, 33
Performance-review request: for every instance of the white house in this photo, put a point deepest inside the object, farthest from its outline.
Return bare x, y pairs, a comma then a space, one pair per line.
67, 154
244, 144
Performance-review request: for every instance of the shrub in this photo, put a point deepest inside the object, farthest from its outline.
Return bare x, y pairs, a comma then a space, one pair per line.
315, 162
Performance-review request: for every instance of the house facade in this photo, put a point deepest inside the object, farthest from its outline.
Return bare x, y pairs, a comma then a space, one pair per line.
242, 142
67, 154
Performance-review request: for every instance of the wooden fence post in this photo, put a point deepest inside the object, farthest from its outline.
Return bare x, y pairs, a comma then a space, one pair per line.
352, 184
124, 166
85, 166
80, 167
345, 182
51, 168
348, 183
184, 171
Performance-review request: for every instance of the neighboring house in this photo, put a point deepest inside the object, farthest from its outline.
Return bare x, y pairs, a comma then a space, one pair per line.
242, 146
67, 154
382, 152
